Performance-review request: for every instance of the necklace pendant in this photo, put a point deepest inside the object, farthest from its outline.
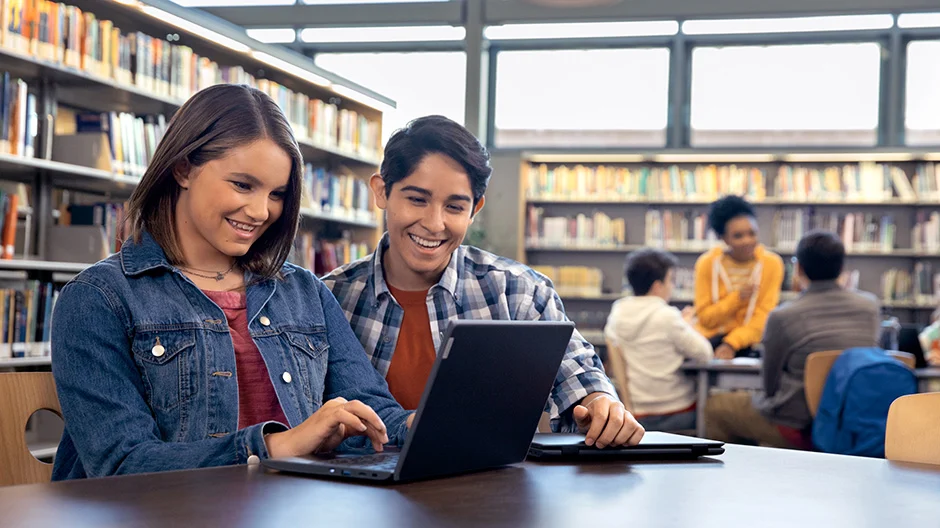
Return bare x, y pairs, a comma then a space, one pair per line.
219, 276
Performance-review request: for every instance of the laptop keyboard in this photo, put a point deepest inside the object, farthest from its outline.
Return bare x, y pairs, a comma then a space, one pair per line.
378, 461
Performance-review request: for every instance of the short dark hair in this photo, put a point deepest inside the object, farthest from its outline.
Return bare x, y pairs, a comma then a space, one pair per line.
409, 145
211, 123
726, 209
646, 266
821, 255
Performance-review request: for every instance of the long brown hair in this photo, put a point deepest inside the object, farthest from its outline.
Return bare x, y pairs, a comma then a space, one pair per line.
212, 122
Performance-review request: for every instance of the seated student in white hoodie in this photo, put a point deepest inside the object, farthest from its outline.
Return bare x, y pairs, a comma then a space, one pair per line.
653, 339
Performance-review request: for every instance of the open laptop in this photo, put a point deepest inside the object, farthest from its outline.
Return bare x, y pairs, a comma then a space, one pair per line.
654, 445
483, 399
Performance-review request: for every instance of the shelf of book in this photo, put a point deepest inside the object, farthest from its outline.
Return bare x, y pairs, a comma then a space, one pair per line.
784, 296
765, 201
42, 265
907, 253
341, 219
25, 362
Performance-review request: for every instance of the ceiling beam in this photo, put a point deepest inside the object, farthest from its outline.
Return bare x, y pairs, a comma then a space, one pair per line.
520, 11
398, 14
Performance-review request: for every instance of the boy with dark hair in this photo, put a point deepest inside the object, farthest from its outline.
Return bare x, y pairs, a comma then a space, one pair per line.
824, 317
651, 339
399, 299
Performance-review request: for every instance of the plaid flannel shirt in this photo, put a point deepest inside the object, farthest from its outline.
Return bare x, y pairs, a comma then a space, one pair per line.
475, 285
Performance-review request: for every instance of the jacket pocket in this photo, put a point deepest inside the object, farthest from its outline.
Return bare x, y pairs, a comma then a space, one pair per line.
165, 360
310, 353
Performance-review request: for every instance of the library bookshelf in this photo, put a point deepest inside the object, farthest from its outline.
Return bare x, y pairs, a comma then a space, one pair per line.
591, 209
106, 76
86, 90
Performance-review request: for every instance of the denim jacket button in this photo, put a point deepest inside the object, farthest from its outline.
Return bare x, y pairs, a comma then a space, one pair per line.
157, 350
253, 459
264, 321
286, 377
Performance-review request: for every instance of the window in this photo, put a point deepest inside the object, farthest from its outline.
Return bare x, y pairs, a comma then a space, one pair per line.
919, 20
785, 95
578, 98
922, 112
382, 34
420, 83
228, 3
582, 30
273, 35
787, 25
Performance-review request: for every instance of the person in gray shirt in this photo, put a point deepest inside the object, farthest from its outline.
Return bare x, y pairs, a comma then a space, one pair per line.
824, 317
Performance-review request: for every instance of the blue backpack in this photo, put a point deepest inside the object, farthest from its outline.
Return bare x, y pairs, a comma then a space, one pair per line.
854, 406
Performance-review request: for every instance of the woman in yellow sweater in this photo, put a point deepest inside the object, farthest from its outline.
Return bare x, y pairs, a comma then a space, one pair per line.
737, 285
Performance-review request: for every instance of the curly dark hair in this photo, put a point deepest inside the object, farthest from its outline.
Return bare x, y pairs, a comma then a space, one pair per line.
726, 209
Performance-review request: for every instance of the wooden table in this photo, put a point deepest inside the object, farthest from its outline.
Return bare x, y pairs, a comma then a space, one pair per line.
735, 374
744, 374
746, 486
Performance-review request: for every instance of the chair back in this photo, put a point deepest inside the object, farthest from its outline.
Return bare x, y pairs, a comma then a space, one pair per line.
22, 394
913, 430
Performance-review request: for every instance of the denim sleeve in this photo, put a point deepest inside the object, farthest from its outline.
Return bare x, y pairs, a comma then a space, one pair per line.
350, 374
103, 401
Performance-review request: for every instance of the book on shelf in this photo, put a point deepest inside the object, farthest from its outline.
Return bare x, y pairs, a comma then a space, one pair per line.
26, 319
858, 182
926, 233
582, 230
65, 35
109, 216
19, 120
338, 193
920, 286
14, 197
118, 142
575, 281
324, 255
672, 183
678, 230
859, 232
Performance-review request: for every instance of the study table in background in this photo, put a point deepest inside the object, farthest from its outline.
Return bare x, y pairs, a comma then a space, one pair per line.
746, 487
744, 374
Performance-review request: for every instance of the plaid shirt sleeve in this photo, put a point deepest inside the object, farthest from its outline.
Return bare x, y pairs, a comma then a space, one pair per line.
581, 372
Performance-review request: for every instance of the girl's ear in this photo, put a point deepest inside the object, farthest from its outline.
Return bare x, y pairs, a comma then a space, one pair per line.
182, 173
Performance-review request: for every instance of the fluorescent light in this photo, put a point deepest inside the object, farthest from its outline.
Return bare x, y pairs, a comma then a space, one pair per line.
919, 20
292, 69
586, 158
824, 157
361, 97
787, 25
195, 29
273, 35
582, 30
931, 156
382, 34
714, 158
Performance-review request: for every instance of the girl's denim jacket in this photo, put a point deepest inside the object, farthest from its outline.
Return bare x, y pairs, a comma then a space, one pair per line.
145, 368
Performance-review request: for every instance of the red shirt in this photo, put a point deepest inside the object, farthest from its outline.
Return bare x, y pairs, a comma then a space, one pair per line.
257, 401
414, 352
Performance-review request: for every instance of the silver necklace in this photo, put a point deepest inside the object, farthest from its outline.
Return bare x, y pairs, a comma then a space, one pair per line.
219, 275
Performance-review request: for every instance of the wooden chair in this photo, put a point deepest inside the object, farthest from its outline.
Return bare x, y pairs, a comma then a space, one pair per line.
22, 394
618, 366
913, 430
818, 365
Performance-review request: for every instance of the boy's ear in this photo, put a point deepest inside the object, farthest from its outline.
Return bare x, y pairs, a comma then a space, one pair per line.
477, 207
377, 184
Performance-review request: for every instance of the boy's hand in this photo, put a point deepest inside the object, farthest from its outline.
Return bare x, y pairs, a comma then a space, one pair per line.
607, 422
688, 314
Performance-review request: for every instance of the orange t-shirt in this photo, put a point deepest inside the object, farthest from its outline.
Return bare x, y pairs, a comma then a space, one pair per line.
414, 352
